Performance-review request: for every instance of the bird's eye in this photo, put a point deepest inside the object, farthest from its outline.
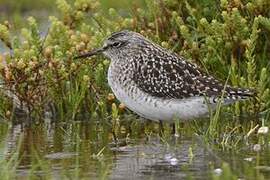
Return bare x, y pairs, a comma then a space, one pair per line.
116, 44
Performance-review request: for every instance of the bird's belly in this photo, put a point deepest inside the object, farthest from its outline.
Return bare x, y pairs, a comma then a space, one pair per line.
155, 108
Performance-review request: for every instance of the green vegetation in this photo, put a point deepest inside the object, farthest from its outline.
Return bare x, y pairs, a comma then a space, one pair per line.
229, 39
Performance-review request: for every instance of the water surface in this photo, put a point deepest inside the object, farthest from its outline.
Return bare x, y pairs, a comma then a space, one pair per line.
87, 150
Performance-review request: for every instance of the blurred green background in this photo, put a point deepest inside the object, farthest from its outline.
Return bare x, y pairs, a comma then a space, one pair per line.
17, 9
16, 12
11, 7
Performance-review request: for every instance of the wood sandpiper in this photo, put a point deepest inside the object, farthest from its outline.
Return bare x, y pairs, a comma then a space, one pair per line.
157, 84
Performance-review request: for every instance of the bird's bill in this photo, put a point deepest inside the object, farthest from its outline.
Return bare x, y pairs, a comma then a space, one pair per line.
91, 53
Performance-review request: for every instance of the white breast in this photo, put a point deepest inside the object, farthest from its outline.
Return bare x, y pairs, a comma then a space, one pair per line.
155, 108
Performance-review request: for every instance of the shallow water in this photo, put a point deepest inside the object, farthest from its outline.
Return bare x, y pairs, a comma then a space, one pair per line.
85, 150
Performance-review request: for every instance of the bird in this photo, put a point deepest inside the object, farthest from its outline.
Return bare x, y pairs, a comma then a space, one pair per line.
158, 84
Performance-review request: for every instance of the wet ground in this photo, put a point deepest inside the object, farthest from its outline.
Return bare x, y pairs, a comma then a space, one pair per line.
84, 150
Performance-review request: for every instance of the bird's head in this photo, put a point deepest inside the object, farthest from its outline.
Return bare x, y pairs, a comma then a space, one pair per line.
119, 44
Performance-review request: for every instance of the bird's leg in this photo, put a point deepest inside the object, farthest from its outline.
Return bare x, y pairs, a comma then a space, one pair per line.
161, 128
173, 128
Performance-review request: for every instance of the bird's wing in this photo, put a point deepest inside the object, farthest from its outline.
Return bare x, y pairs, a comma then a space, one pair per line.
173, 77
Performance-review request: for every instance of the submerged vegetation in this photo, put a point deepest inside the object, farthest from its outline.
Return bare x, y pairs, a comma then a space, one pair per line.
39, 77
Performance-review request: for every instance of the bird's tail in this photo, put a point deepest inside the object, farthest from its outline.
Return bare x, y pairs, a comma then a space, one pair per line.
240, 93
235, 94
